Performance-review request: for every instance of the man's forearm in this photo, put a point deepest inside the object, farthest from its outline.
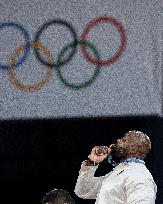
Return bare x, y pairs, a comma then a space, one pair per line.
87, 185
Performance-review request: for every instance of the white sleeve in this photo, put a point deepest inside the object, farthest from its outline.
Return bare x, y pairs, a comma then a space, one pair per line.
140, 189
87, 185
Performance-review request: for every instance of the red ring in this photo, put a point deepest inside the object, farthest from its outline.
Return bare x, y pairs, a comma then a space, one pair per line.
118, 53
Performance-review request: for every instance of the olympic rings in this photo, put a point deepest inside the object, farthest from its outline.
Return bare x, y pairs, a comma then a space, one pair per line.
26, 38
36, 45
120, 29
45, 26
12, 75
83, 84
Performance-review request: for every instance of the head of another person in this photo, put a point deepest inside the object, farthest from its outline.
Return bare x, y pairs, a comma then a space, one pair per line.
133, 144
57, 196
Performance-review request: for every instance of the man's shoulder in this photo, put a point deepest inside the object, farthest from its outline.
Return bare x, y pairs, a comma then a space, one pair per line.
138, 171
139, 175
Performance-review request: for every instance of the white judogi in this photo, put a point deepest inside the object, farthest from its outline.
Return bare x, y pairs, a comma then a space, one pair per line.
128, 183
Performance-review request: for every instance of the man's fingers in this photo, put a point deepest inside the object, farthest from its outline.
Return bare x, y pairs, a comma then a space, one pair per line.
94, 150
98, 154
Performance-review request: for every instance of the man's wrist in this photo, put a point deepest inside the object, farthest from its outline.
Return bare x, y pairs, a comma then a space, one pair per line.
89, 162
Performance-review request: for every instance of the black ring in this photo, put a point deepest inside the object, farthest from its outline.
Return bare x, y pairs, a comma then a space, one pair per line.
44, 27
85, 83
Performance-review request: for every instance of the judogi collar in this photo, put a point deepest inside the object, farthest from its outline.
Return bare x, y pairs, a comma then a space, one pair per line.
133, 159
127, 160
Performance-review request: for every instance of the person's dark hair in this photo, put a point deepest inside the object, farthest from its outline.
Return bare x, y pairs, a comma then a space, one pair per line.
57, 196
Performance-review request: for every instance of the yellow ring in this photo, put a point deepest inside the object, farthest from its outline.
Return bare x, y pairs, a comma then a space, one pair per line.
12, 74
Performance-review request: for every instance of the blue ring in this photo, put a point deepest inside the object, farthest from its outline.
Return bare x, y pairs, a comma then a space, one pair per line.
26, 38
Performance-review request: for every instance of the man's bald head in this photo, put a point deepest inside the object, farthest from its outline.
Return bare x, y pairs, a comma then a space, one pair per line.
132, 144
139, 144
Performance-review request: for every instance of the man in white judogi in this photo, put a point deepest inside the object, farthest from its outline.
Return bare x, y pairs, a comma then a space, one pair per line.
130, 182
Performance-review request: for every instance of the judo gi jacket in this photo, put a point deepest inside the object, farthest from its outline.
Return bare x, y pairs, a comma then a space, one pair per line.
128, 183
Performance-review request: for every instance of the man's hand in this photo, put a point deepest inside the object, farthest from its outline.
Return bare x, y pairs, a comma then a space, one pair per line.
98, 153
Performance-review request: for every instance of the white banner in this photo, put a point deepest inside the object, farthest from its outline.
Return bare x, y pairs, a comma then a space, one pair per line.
87, 58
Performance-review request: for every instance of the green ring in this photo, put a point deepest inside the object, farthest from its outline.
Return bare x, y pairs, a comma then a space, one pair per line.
82, 84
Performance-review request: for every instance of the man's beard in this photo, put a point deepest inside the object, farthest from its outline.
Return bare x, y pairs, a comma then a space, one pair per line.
119, 153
